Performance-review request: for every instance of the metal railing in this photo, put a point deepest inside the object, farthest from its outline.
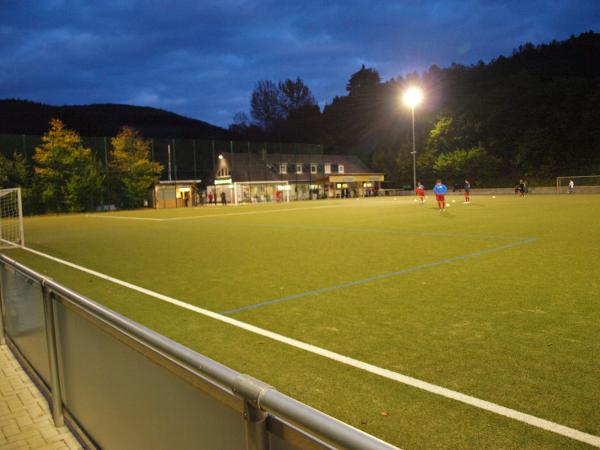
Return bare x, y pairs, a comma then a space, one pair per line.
118, 384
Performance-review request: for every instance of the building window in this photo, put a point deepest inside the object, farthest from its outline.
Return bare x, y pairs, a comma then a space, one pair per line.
313, 168
283, 168
327, 168
340, 169
298, 168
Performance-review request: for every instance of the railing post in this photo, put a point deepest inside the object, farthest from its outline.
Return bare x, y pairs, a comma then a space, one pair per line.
53, 349
256, 427
251, 390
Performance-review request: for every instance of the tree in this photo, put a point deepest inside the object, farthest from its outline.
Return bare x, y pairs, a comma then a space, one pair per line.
295, 95
266, 104
450, 133
13, 172
131, 167
475, 164
66, 174
364, 79
286, 110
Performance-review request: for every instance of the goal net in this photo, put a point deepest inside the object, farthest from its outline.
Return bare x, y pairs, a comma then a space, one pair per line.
261, 192
11, 218
582, 184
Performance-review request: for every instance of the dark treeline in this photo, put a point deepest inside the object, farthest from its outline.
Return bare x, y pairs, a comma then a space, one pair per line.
535, 114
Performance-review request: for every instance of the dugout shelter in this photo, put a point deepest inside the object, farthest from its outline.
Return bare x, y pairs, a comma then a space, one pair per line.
175, 194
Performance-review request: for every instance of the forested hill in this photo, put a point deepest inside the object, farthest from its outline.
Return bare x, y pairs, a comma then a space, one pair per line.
26, 117
534, 113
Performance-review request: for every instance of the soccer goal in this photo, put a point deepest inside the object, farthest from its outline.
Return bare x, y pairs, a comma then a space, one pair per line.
586, 184
261, 191
11, 218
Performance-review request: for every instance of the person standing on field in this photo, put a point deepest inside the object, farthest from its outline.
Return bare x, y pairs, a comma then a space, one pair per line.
440, 190
571, 186
521, 188
467, 189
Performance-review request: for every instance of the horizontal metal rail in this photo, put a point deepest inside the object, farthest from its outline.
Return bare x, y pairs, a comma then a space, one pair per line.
264, 409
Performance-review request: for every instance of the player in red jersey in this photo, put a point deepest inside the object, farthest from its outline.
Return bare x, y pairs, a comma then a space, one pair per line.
421, 192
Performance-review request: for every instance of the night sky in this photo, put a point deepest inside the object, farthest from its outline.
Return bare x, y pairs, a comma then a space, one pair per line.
202, 59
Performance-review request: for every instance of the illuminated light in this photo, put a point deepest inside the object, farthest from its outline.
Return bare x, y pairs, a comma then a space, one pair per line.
412, 97
184, 189
220, 156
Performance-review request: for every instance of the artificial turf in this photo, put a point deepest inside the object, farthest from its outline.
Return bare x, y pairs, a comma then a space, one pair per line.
498, 299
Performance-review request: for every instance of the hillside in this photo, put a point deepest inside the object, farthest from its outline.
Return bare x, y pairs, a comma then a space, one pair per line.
26, 117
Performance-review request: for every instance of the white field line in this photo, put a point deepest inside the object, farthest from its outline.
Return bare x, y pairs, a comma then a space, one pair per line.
209, 216
395, 376
123, 217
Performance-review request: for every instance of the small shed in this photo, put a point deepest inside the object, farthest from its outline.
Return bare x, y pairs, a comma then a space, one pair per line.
176, 194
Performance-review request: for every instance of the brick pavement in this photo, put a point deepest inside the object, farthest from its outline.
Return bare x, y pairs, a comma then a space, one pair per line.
25, 419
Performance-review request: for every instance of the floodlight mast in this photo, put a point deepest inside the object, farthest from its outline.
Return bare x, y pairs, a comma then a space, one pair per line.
412, 97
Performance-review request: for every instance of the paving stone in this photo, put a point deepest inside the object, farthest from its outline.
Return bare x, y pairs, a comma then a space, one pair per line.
25, 419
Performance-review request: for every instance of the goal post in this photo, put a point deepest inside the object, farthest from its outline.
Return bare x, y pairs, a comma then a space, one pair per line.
261, 191
586, 184
11, 218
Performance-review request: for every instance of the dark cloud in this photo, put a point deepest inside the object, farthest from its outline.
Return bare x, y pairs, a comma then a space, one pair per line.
202, 59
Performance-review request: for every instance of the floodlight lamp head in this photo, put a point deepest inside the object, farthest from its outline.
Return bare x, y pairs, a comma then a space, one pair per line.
412, 97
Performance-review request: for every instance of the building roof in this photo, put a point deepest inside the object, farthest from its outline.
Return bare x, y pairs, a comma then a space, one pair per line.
255, 167
176, 182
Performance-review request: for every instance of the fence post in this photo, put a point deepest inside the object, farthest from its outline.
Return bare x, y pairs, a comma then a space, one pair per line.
53, 349
2, 340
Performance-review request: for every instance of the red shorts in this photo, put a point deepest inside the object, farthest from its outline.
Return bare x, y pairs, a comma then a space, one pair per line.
420, 192
467, 194
439, 198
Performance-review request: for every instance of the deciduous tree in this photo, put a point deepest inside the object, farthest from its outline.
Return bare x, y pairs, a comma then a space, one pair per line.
66, 172
131, 168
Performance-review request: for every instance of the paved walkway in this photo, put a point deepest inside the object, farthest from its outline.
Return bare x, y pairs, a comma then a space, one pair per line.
25, 420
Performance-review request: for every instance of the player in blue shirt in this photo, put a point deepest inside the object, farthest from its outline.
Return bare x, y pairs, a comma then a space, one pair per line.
440, 190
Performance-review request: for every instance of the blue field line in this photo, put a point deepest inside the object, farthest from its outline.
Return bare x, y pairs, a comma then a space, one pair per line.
380, 277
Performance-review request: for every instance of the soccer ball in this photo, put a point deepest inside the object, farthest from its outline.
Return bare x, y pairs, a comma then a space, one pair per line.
493, 196
415, 200
448, 205
453, 201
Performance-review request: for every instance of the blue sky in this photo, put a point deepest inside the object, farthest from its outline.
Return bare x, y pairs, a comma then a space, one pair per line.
202, 59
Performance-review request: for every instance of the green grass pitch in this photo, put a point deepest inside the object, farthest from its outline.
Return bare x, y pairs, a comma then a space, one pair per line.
499, 300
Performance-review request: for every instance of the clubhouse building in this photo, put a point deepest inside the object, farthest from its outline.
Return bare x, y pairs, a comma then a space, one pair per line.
250, 178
